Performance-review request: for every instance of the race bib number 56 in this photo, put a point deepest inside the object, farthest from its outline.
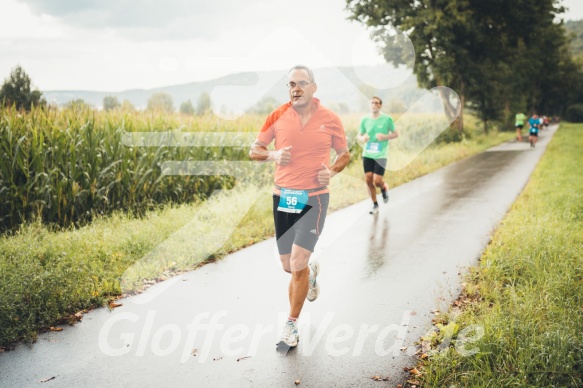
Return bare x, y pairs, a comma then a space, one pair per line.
292, 201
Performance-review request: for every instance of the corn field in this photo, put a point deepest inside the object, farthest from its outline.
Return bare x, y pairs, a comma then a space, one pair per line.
65, 167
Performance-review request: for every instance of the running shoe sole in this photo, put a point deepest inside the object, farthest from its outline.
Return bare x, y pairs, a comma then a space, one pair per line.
283, 348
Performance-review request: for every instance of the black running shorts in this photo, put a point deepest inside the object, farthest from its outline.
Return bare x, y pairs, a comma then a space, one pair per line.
376, 166
302, 229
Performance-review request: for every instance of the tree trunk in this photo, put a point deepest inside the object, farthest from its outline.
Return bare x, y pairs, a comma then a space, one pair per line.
453, 113
507, 116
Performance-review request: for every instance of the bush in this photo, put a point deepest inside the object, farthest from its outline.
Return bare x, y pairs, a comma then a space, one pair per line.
575, 113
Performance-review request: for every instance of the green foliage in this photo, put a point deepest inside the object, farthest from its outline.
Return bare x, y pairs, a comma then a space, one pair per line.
78, 104
17, 91
127, 106
265, 106
497, 57
526, 292
575, 113
68, 166
575, 35
187, 108
396, 106
110, 103
204, 104
161, 102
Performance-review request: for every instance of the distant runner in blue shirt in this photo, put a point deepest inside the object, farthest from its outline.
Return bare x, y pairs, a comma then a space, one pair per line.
534, 123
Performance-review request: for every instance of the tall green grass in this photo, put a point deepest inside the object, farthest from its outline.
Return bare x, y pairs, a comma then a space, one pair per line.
527, 292
65, 167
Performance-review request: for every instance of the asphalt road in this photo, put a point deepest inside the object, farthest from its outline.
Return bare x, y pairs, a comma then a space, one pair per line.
381, 278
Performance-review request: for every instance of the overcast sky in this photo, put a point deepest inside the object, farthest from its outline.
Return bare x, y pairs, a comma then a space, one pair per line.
115, 45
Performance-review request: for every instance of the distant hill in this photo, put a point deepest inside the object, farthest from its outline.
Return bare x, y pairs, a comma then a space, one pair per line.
575, 30
346, 89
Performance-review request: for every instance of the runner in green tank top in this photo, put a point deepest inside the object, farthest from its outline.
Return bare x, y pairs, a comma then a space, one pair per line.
519, 123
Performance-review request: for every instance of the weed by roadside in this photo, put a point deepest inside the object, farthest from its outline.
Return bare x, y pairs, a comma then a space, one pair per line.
525, 295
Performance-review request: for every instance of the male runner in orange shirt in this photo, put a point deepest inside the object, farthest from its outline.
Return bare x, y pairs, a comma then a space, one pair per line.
304, 132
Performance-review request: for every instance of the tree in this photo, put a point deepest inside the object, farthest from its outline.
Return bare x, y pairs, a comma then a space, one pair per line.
396, 106
367, 93
485, 51
560, 76
343, 108
127, 106
436, 28
78, 104
204, 104
265, 106
575, 34
17, 90
161, 102
110, 103
187, 108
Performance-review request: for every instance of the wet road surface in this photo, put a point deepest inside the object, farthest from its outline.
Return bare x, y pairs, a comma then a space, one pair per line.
381, 278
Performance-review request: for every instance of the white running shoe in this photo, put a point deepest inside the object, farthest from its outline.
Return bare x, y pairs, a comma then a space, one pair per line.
289, 337
374, 210
314, 289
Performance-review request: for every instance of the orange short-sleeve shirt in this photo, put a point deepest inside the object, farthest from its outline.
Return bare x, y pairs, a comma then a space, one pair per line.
311, 144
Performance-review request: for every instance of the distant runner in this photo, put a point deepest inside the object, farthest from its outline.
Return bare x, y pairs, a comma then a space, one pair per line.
519, 124
304, 132
376, 129
545, 122
534, 123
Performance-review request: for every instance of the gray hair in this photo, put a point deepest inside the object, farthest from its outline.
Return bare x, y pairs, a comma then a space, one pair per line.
306, 68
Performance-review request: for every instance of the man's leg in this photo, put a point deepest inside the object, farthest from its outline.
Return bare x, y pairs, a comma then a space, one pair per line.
298, 285
368, 165
378, 181
297, 264
369, 177
518, 134
305, 232
379, 173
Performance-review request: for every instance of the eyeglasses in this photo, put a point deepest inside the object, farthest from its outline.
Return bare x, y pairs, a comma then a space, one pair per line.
376, 103
301, 84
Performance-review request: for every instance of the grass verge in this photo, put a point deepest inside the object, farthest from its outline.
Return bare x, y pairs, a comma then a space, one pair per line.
525, 297
47, 276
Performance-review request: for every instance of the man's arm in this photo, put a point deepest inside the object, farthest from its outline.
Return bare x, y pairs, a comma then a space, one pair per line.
362, 136
389, 136
260, 153
341, 161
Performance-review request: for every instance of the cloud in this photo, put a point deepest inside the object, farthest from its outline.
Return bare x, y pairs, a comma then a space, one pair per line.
574, 9
144, 20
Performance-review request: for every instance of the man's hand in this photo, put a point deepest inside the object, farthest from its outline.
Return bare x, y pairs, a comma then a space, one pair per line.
281, 157
364, 138
324, 175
